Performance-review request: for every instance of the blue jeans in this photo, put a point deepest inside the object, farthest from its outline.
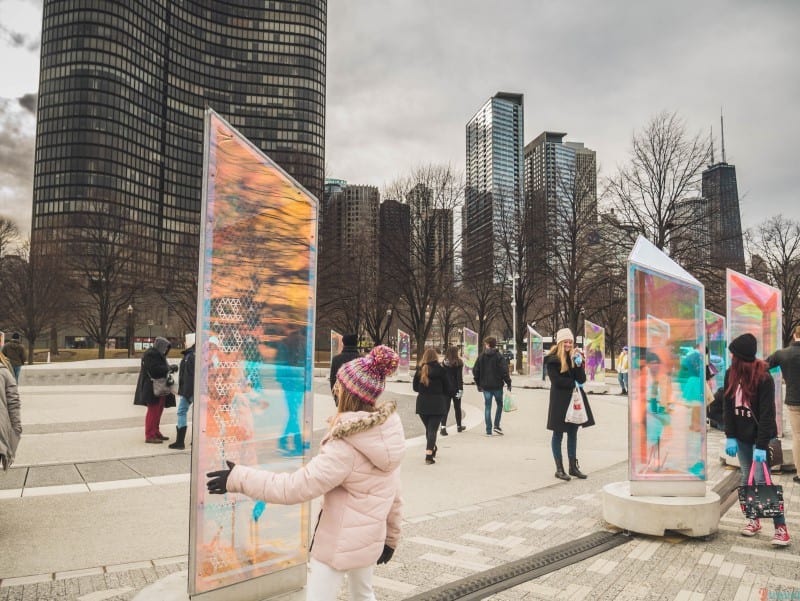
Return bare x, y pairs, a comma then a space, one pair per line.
487, 406
623, 381
745, 455
572, 442
17, 369
183, 410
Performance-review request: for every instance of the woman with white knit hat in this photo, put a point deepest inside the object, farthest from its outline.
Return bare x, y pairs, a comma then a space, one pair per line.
565, 368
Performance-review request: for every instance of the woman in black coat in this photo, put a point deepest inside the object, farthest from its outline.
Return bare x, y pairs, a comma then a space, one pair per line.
434, 391
565, 368
154, 365
454, 367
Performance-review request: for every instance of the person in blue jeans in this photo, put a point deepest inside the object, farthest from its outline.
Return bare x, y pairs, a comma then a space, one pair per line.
185, 391
490, 373
749, 416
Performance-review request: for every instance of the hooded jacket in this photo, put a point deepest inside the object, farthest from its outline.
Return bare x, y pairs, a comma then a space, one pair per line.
491, 370
15, 352
186, 374
357, 471
154, 365
10, 421
751, 420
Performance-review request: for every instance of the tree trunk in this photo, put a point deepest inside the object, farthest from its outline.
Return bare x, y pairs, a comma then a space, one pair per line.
54, 341
31, 346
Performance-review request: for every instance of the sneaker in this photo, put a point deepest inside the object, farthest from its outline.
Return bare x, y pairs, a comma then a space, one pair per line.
461, 428
488, 434
443, 431
752, 528
781, 538
429, 460
498, 430
796, 479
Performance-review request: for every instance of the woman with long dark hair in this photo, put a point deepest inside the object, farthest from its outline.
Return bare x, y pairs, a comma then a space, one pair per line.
434, 391
454, 367
749, 416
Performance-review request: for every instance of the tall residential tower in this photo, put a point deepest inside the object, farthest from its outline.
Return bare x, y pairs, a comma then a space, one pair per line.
494, 190
122, 91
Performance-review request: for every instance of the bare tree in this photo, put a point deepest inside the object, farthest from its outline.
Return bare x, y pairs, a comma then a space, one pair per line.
664, 171
9, 234
775, 247
34, 293
180, 296
432, 193
480, 302
104, 274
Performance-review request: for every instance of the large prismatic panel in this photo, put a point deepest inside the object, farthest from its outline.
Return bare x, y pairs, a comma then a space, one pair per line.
404, 352
535, 353
717, 343
253, 380
471, 350
666, 336
594, 348
336, 344
756, 308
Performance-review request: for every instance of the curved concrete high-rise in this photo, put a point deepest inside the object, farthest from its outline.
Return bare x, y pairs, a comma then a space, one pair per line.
122, 91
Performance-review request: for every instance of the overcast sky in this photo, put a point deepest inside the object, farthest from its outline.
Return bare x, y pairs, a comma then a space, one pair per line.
404, 77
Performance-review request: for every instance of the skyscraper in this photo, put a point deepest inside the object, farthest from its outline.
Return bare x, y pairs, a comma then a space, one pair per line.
494, 186
559, 176
721, 190
122, 91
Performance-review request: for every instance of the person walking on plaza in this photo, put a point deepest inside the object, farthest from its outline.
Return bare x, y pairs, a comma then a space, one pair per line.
349, 352
154, 366
749, 416
490, 372
565, 368
15, 353
185, 391
434, 390
622, 370
454, 367
357, 471
10, 420
788, 359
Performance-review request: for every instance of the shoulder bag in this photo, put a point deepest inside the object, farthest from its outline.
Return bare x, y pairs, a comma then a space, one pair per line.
761, 500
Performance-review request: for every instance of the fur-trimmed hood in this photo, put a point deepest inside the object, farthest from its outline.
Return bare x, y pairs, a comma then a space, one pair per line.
377, 434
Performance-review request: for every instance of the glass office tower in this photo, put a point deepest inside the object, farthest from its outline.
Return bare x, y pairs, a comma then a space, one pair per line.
122, 91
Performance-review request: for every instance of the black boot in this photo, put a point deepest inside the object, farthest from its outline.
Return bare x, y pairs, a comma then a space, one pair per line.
574, 470
179, 438
560, 473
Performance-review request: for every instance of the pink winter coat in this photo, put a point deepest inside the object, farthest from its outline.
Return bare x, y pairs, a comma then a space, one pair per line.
357, 471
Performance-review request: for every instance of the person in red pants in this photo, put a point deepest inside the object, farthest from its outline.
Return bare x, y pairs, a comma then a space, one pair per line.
154, 366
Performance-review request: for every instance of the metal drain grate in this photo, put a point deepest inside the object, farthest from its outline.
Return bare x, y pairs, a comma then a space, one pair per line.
481, 585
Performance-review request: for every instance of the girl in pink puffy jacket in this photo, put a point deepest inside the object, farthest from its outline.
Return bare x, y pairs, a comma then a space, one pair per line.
355, 470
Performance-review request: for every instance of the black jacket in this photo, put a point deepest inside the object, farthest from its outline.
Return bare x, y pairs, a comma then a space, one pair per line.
491, 370
186, 374
456, 375
433, 399
561, 387
756, 426
348, 354
154, 365
788, 359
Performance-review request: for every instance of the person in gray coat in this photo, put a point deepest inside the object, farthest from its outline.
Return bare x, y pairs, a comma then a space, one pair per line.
10, 421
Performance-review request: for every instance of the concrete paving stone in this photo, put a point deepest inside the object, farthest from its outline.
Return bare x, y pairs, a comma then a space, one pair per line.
103, 471
53, 475
13, 478
161, 465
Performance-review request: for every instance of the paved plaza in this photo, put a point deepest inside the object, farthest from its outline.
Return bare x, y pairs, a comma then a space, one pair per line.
92, 513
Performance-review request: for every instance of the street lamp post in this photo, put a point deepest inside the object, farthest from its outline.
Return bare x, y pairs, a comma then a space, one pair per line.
515, 278
129, 333
150, 323
388, 325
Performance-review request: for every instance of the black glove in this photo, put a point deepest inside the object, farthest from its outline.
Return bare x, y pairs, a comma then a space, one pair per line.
218, 481
386, 555
173, 368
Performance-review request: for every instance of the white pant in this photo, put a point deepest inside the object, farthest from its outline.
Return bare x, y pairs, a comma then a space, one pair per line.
794, 423
324, 583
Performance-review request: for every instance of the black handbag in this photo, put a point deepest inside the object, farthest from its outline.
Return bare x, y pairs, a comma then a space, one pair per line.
761, 500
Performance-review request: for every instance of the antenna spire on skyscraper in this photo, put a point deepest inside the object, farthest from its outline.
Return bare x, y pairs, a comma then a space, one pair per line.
711, 135
722, 134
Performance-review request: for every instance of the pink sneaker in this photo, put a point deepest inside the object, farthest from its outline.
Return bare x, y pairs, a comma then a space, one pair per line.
752, 527
781, 538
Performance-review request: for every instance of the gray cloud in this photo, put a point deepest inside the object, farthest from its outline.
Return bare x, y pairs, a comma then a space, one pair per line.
17, 143
404, 78
28, 102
